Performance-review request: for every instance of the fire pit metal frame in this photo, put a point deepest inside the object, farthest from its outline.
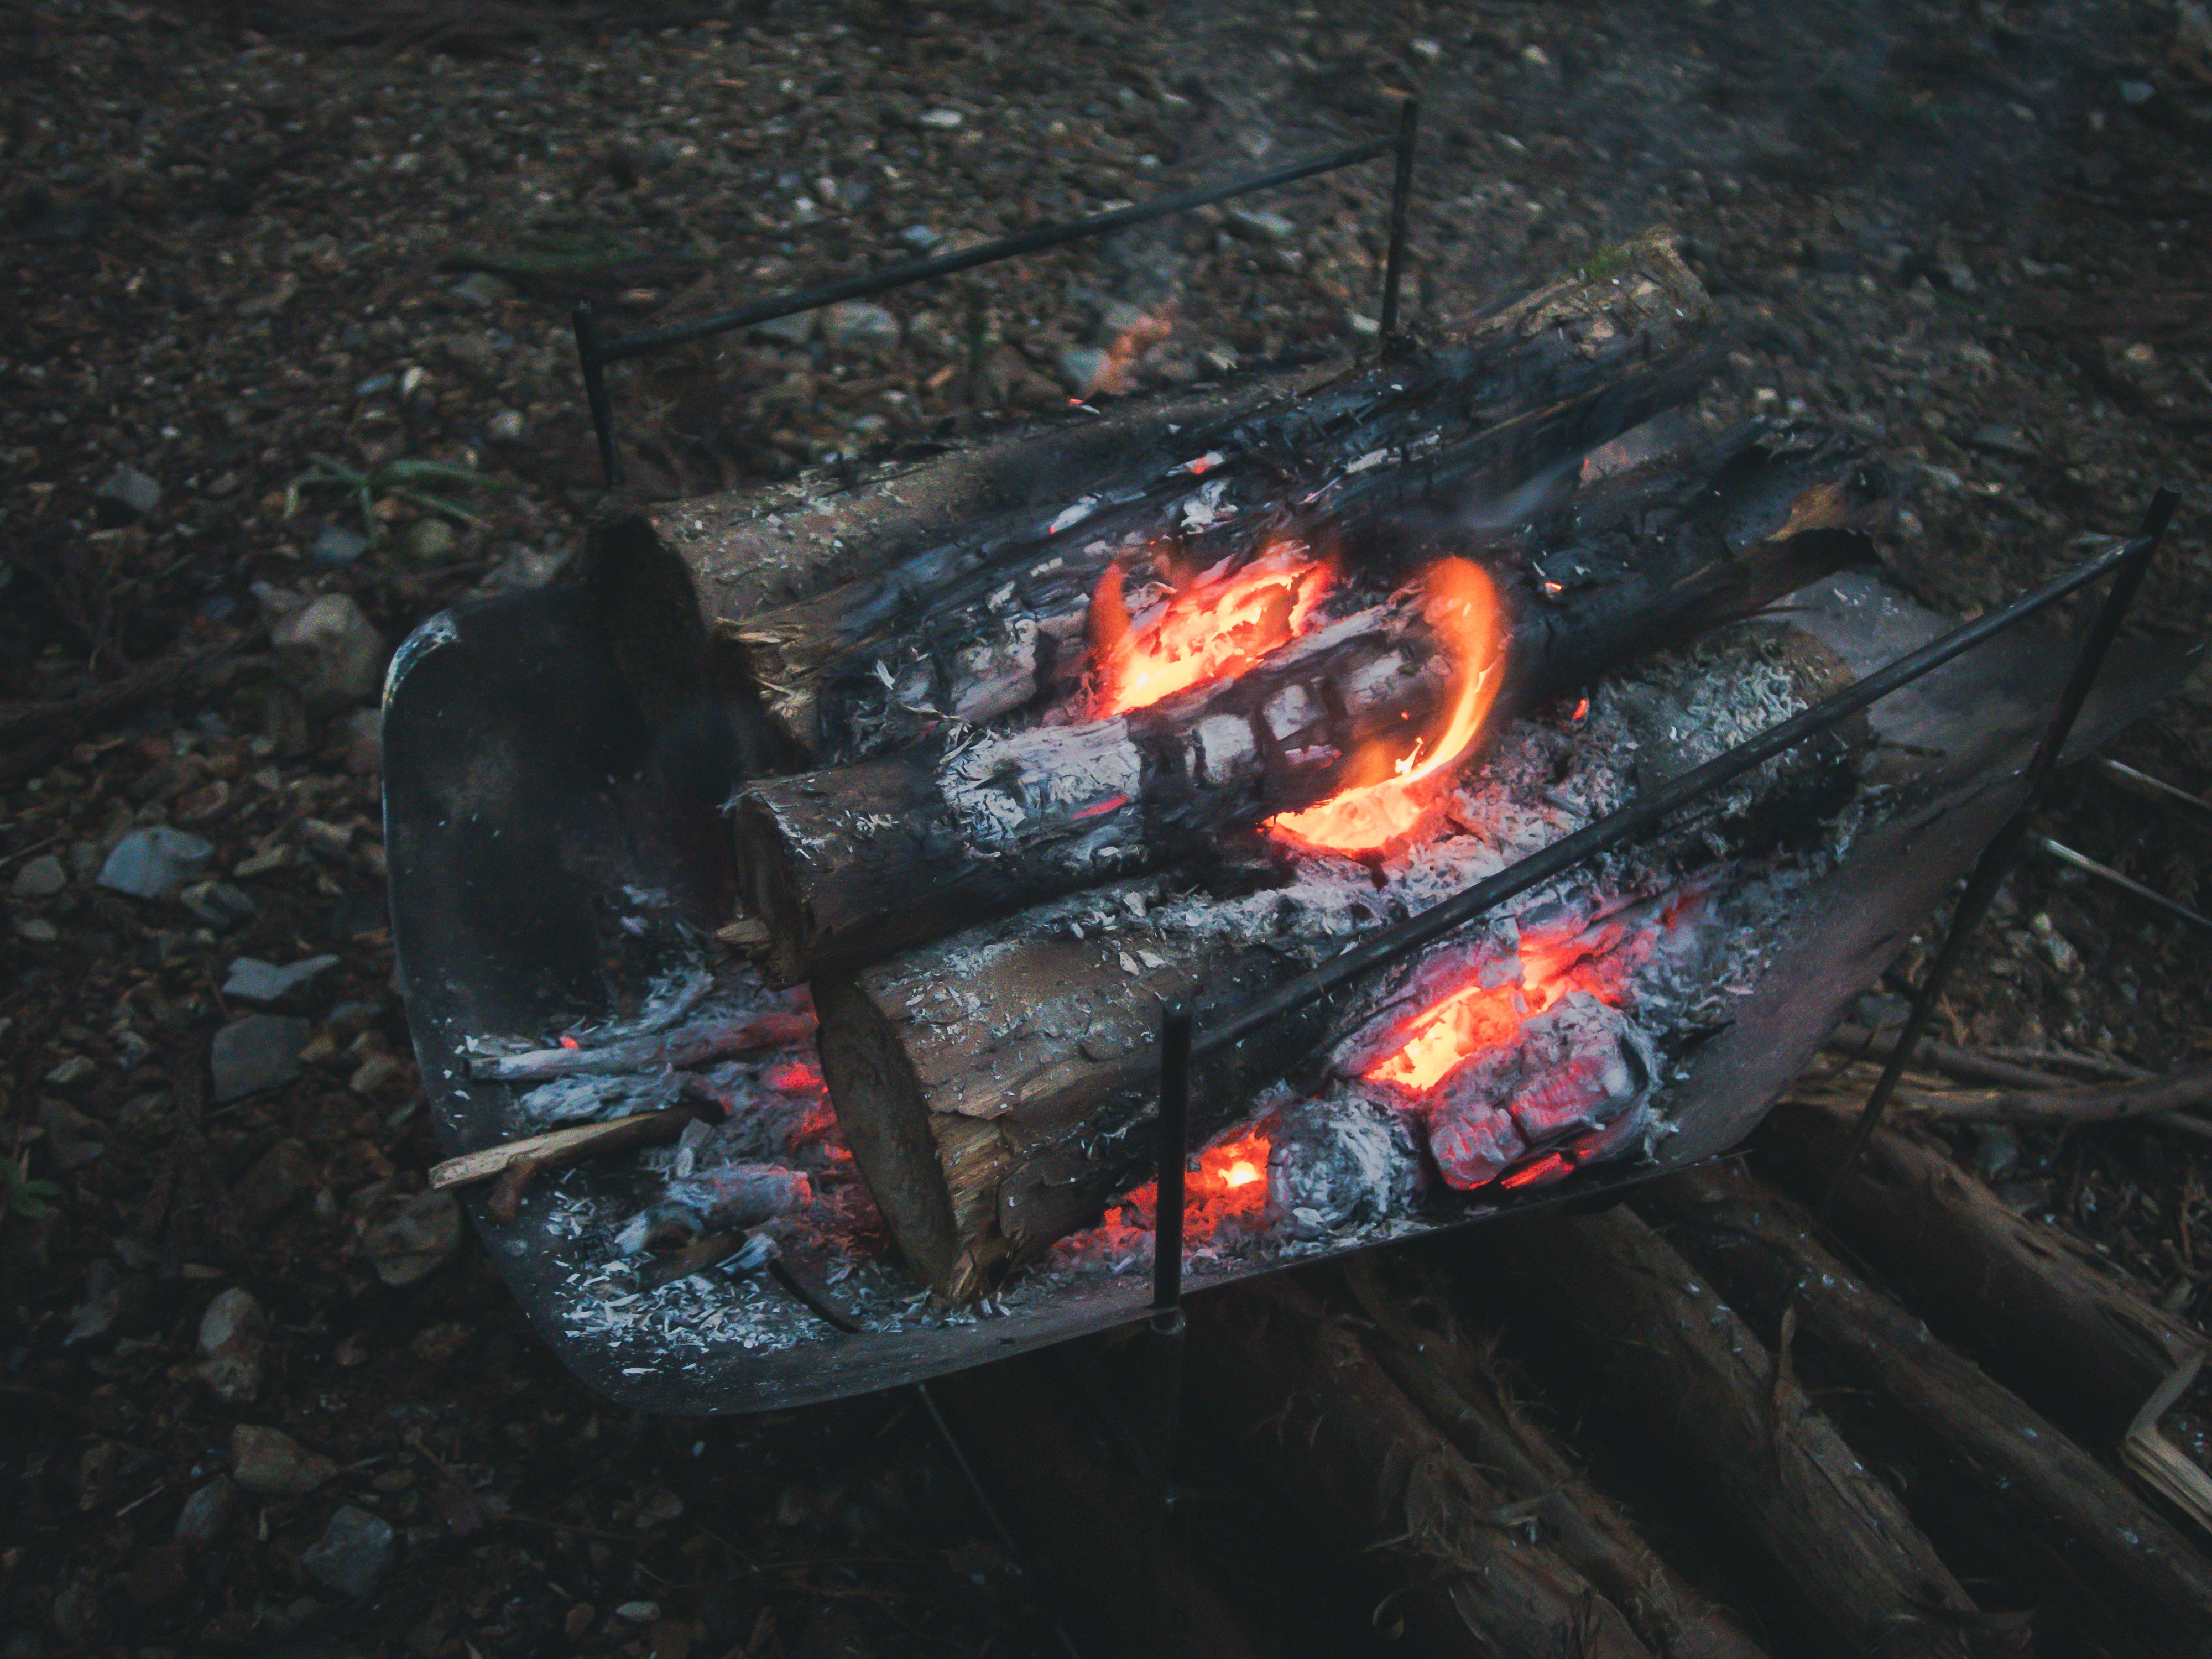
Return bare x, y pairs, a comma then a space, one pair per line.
594, 353
2126, 563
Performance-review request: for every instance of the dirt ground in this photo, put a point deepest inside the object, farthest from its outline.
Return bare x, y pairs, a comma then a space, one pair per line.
286, 367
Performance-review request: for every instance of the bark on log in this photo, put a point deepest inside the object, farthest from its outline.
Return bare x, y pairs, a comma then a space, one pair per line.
1451, 1379
976, 627
1082, 1521
1759, 1247
853, 865
1360, 1463
1683, 1374
2047, 1321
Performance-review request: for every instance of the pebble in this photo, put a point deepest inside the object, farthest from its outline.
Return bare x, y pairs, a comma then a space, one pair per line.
794, 330
254, 980
329, 650
1257, 224
856, 325
231, 1341
154, 863
218, 903
354, 1553
269, 1463
638, 1612
284, 1175
261, 1051
36, 930
483, 289
128, 493
206, 1513
1083, 368
334, 546
920, 238
430, 538
507, 427
41, 878
414, 1242
943, 119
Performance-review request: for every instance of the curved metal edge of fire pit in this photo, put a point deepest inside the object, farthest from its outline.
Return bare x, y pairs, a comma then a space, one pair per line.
520, 780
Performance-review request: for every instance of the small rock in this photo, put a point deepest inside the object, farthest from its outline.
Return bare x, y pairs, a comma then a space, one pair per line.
794, 330
507, 427
36, 930
334, 546
943, 119
483, 289
261, 1051
364, 741
218, 903
660, 1507
2003, 441
95, 1315
920, 238
856, 325
231, 1332
206, 1513
430, 538
1085, 369
75, 1069
154, 863
578, 1621
412, 1244
330, 651
127, 494
269, 1463
284, 1175
638, 1612
354, 1553
41, 878
255, 981
1257, 224
1362, 326
374, 1074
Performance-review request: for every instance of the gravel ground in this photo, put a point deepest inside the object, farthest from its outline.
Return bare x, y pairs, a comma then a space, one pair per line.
285, 366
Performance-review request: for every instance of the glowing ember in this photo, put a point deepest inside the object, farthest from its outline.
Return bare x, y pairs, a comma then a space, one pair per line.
1469, 1021
1387, 802
1202, 634
1231, 1182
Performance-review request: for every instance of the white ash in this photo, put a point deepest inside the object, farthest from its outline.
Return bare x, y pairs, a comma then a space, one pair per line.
1333, 1162
580, 1099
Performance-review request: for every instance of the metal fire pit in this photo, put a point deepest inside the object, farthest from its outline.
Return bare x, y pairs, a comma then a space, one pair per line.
525, 792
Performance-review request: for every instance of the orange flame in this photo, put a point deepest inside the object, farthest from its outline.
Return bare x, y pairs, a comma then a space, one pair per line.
1386, 805
1230, 1181
1204, 635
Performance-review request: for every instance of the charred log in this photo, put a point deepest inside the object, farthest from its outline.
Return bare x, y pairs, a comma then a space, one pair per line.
1760, 1250
1361, 1464
850, 866
986, 623
1682, 1374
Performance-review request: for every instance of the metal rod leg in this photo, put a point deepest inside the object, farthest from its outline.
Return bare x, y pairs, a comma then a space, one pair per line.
1402, 188
595, 392
1163, 1340
1989, 872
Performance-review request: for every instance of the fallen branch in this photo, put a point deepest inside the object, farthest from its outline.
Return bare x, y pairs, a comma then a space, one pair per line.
2021, 1095
558, 1146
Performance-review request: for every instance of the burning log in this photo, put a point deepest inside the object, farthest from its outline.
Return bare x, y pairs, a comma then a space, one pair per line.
1451, 1379
988, 1084
1760, 1250
976, 626
2048, 1320
1363, 1466
687, 1045
853, 865
1685, 1376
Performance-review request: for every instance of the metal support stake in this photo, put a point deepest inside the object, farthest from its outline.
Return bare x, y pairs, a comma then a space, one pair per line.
595, 390
1402, 188
1164, 1335
1989, 872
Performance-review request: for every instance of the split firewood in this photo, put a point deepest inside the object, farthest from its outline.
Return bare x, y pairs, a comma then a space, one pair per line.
1083, 1521
2047, 1320
851, 865
561, 1146
1451, 1379
1358, 1460
1760, 1249
979, 626
1680, 1372
687, 1045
